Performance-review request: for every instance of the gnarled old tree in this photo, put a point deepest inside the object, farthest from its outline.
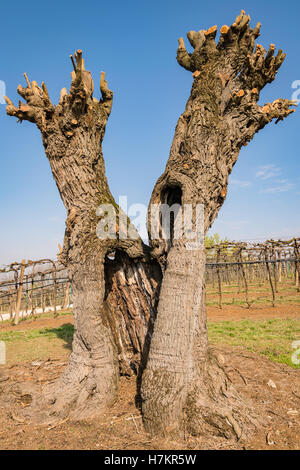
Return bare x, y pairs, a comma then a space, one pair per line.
72, 134
183, 385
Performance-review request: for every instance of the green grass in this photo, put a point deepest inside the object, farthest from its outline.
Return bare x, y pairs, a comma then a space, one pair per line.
270, 338
64, 332
38, 344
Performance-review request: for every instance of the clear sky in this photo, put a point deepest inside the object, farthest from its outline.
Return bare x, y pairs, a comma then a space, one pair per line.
135, 43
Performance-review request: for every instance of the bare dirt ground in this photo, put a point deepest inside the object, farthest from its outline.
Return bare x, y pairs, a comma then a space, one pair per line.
261, 312
122, 428
42, 322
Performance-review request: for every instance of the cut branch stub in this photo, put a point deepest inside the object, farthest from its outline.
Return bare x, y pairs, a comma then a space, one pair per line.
234, 53
81, 78
222, 113
39, 109
107, 95
37, 104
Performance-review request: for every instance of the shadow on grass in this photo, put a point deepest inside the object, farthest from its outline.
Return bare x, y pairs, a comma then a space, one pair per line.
64, 332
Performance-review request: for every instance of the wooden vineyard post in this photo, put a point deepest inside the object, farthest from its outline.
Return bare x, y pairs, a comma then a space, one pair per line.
67, 295
244, 277
55, 314
297, 264
273, 256
270, 277
219, 278
42, 293
11, 303
19, 293
279, 266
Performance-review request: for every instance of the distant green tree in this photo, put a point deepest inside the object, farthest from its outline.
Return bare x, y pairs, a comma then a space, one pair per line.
212, 240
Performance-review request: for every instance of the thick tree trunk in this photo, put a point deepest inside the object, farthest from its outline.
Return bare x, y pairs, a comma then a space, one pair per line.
184, 386
115, 306
90, 382
106, 294
179, 341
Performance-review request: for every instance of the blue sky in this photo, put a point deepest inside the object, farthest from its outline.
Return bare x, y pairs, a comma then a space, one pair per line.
135, 43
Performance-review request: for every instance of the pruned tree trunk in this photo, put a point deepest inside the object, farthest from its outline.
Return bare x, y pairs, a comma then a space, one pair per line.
184, 385
116, 301
105, 294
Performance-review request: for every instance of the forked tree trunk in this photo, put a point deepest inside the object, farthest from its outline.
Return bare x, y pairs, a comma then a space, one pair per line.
184, 385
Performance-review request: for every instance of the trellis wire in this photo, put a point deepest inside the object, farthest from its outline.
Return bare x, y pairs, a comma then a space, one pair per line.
33, 287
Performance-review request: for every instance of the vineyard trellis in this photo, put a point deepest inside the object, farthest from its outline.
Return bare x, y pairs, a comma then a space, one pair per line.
235, 273
32, 288
247, 271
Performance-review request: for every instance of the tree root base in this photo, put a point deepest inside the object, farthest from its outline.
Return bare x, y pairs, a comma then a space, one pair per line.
211, 406
80, 393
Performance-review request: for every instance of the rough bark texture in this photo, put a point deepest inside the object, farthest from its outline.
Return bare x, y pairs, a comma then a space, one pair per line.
106, 294
131, 303
184, 386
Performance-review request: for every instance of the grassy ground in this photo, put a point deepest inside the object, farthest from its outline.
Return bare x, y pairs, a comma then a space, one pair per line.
256, 345
41, 344
64, 332
271, 338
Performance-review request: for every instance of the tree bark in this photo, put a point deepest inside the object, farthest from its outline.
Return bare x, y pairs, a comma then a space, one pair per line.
105, 294
184, 386
132, 295
90, 382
